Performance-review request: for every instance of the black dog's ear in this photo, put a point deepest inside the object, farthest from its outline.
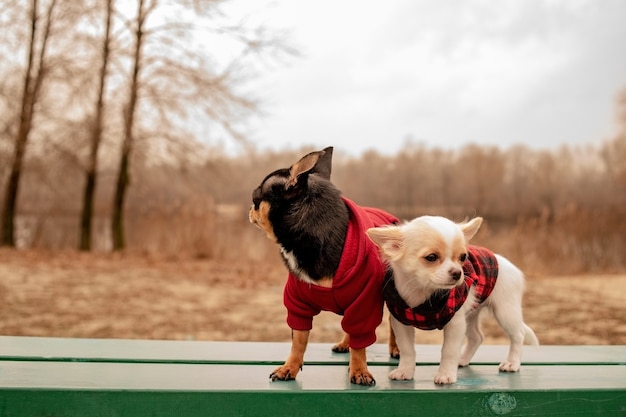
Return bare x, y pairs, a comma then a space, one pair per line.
318, 162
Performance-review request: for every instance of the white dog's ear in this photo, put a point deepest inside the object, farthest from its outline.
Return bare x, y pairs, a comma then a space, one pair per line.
389, 239
471, 227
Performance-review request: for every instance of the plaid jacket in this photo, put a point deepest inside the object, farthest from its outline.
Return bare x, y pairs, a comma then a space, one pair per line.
480, 270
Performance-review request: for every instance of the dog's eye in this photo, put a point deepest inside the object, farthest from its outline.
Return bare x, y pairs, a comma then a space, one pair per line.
433, 257
463, 257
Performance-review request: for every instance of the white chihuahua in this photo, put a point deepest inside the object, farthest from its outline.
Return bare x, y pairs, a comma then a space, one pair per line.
437, 274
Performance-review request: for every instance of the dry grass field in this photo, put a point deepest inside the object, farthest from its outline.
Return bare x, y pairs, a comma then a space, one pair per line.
102, 295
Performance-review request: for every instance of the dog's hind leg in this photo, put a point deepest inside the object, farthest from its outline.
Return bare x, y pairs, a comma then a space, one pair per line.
506, 304
343, 346
474, 338
394, 350
509, 317
513, 326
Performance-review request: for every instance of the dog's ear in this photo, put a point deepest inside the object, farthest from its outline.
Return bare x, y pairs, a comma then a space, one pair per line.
389, 239
471, 227
318, 162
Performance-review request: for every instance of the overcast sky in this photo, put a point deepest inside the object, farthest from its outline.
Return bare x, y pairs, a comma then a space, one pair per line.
374, 74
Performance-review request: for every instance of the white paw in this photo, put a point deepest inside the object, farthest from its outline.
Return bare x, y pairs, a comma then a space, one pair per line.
402, 374
444, 378
508, 366
464, 362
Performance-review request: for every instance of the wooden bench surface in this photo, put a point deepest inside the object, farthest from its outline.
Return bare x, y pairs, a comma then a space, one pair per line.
109, 377
176, 351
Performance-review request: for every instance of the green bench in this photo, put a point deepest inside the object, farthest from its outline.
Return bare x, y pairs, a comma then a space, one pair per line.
108, 377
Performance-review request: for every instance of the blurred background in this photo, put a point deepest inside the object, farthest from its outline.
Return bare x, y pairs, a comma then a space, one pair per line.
141, 127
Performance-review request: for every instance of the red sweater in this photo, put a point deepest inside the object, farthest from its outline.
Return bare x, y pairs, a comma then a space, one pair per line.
356, 292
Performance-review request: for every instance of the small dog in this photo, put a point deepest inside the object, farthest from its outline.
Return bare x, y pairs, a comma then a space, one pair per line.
437, 274
332, 264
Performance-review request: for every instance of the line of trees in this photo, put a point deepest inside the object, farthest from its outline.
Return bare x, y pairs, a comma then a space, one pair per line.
558, 211
94, 93
89, 80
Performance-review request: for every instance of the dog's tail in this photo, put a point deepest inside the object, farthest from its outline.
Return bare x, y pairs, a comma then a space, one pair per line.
530, 338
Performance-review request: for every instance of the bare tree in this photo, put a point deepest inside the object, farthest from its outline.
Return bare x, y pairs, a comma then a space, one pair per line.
96, 135
174, 82
117, 224
33, 78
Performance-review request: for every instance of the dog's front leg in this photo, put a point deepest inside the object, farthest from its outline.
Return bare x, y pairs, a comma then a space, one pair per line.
295, 360
405, 339
359, 374
453, 335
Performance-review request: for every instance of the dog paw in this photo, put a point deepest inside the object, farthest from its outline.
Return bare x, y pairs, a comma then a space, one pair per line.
401, 374
445, 378
284, 373
362, 378
509, 366
394, 352
341, 348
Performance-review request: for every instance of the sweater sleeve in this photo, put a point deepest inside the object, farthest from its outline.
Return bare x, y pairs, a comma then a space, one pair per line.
299, 313
365, 314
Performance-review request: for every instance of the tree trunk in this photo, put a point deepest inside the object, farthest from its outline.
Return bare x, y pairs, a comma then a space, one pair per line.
33, 80
92, 167
123, 178
117, 222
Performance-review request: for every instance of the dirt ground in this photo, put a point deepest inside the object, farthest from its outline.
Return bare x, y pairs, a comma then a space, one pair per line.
72, 294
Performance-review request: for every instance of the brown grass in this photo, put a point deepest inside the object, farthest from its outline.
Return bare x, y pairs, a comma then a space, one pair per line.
71, 294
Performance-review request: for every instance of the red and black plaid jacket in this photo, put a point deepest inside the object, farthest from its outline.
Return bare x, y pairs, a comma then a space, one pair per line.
480, 270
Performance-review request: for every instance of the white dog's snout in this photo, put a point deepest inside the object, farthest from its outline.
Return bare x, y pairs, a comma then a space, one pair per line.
455, 273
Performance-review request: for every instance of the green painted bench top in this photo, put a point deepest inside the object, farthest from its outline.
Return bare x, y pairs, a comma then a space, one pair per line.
110, 377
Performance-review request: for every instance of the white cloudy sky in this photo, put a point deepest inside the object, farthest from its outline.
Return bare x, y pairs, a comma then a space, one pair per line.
373, 74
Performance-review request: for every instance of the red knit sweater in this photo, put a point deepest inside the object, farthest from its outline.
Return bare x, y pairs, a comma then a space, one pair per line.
356, 292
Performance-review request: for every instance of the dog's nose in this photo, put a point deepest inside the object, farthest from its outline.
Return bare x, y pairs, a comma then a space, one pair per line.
455, 274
